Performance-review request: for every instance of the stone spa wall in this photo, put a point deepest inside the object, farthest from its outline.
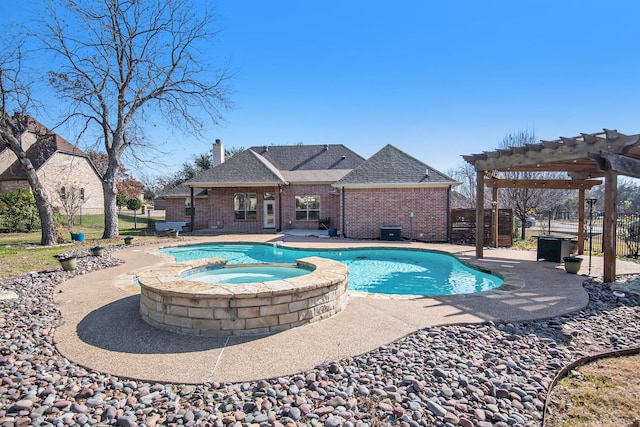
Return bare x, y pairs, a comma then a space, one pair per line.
190, 307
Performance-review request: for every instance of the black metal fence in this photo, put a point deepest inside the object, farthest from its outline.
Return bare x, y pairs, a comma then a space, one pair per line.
627, 230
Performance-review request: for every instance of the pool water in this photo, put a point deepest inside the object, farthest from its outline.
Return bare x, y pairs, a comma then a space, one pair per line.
376, 270
248, 274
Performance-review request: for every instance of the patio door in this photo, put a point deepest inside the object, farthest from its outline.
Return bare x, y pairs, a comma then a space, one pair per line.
269, 214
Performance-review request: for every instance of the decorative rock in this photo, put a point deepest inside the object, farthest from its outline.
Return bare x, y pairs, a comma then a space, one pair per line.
295, 413
467, 375
435, 408
334, 421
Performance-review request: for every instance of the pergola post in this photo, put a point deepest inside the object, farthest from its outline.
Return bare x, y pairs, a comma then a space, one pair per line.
581, 221
494, 211
609, 225
479, 213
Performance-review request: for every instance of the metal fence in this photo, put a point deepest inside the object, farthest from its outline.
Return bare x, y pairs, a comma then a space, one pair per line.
627, 230
85, 217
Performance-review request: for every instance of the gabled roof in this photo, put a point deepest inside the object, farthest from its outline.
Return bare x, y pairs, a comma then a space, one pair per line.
274, 165
391, 167
245, 168
309, 157
46, 145
183, 191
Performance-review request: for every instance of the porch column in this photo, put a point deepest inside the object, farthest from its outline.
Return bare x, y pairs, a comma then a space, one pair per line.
279, 229
609, 224
193, 209
479, 214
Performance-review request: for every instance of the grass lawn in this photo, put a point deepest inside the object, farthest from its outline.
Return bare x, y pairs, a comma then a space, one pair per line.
21, 252
606, 394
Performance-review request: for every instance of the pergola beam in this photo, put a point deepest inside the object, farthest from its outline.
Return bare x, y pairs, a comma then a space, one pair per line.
565, 150
622, 164
550, 184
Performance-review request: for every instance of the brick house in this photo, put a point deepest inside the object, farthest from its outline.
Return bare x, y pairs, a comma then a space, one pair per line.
60, 166
317, 187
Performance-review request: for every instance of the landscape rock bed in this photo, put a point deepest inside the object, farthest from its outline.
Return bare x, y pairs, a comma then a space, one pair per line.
467, 375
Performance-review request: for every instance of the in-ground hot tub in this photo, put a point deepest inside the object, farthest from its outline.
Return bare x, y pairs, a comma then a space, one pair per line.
176, 303
244, 273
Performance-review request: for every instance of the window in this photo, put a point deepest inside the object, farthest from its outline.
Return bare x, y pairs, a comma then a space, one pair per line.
187, 207
307, 208
269, 196
244, 205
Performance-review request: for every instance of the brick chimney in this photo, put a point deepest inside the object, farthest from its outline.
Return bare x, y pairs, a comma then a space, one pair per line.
218, 153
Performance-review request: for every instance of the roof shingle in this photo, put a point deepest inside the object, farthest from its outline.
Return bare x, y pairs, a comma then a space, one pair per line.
391, 166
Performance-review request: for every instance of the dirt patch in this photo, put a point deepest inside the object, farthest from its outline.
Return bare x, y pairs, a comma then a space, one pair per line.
602, 393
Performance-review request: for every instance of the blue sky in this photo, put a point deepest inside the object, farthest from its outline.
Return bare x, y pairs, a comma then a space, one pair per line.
435, 79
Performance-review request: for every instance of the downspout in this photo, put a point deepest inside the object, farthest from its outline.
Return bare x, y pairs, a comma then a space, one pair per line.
193, 209
279, 208
344, 225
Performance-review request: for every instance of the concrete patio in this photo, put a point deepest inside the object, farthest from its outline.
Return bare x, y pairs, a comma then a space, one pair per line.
101, 327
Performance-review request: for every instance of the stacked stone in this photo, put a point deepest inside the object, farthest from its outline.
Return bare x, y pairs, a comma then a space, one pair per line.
462, 375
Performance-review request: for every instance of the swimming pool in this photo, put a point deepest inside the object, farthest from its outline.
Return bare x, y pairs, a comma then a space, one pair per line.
377, 270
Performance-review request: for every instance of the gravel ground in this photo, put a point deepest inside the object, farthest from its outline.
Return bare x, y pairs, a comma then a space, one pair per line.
494, 374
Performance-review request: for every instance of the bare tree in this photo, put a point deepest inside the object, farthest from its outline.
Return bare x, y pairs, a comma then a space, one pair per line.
126, 61
16, 96
71, 199
466, 174
523, 201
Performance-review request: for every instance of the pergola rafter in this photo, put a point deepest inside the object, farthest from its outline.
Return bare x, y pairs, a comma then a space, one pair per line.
590, 155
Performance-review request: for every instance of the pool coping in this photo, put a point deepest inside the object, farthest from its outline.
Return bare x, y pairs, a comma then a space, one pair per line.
511, 281
101, 328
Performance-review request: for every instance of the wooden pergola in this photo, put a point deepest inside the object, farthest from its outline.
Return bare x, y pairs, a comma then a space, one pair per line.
584, 158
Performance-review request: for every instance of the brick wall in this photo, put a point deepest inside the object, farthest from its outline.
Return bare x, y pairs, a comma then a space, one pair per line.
329, 206
216, 210
175, 211
366, 210
9, 186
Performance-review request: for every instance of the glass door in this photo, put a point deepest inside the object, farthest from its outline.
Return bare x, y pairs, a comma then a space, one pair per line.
269, 214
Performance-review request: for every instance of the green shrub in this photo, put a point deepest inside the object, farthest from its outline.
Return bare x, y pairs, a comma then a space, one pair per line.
18, 211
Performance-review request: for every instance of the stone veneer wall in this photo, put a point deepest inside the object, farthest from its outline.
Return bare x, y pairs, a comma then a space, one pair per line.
195, 308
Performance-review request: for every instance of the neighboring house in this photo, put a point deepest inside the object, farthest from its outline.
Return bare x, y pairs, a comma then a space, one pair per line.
317, 187
158, 203
63, 169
